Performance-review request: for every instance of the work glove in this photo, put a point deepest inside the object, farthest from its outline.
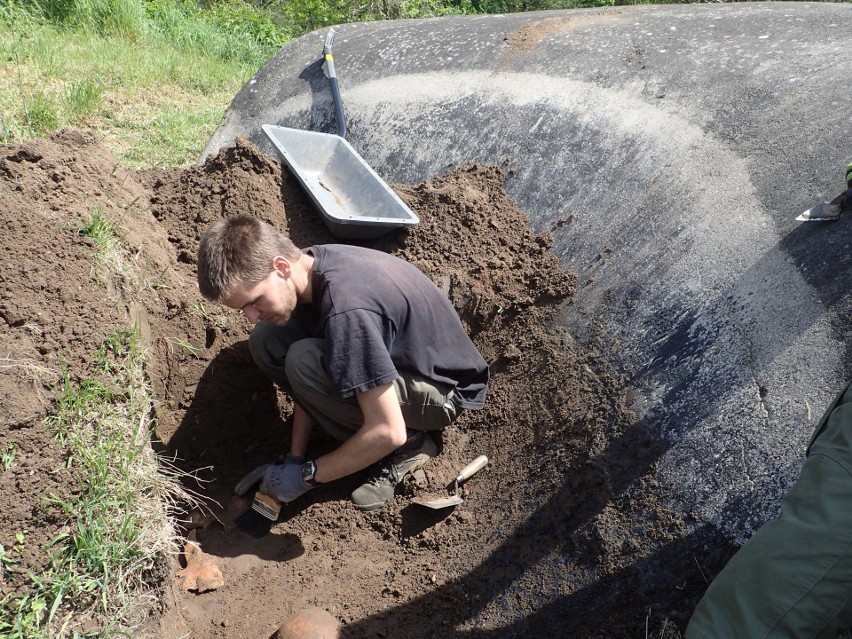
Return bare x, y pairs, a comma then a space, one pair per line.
256, 475
283, 482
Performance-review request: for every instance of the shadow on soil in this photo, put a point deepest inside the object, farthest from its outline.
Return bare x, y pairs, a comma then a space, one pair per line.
225, 427
669, 582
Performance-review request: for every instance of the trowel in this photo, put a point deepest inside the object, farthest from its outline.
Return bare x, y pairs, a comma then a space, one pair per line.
829, 211
454, 499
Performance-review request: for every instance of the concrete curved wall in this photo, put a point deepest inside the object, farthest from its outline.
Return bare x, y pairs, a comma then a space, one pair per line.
669, 149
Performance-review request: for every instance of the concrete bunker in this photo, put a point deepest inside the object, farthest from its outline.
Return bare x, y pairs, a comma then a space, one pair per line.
668, 150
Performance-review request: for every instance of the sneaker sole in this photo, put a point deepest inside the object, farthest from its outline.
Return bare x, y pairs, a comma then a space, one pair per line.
367, 507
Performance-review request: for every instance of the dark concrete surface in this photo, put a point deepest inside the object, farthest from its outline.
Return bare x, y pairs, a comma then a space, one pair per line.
669, 149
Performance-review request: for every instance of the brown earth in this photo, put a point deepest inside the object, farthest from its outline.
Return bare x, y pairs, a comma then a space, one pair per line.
565, 533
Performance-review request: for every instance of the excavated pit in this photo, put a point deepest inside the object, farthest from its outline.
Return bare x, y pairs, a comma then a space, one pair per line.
566, 531
668, 149
616, 231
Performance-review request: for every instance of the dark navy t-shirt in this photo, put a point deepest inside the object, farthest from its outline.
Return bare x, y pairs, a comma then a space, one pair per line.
381, 315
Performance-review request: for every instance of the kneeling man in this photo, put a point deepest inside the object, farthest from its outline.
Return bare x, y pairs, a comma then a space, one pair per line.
369, 348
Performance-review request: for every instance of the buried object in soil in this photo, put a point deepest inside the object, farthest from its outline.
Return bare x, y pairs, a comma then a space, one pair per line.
309, 623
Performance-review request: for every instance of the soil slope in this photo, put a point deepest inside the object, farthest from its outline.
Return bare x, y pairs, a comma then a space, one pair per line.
565, 533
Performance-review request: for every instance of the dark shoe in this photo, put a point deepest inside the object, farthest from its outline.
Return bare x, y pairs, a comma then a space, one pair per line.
386, 475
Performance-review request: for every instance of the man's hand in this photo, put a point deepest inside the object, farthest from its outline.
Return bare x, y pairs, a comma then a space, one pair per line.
283, 482
250, 479
256, 475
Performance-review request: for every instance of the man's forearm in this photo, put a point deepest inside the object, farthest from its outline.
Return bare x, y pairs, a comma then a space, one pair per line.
303, 423
382, 433
364, 448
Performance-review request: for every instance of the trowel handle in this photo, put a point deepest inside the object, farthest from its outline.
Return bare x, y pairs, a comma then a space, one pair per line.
849, 175
472, 468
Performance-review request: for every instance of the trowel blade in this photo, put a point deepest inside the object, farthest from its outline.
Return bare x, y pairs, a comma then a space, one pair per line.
823, 212
437, 504
826, 211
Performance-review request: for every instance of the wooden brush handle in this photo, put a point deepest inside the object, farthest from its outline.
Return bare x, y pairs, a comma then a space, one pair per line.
471, 469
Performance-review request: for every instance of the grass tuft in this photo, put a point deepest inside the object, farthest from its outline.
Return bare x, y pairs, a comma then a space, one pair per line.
118, 521
111, 267
42, 114
83, 98
101, 230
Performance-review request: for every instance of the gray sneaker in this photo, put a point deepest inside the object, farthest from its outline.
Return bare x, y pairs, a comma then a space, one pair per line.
386, 475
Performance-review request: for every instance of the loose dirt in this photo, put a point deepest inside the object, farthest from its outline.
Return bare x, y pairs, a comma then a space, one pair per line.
565, 533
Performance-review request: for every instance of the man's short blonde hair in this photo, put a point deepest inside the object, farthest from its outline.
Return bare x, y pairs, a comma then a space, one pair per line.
239, 250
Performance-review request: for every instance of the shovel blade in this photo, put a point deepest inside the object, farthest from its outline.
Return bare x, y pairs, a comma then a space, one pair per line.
437, 504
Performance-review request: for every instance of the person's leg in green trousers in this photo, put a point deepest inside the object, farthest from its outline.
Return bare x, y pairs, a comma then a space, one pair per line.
295, 362
793, 578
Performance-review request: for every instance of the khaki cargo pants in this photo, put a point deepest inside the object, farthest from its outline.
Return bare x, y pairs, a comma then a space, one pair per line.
793, 578
295, 362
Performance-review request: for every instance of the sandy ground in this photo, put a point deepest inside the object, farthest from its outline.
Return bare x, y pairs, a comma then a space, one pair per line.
541, 544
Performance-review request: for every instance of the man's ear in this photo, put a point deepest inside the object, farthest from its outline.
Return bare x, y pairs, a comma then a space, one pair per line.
282, 265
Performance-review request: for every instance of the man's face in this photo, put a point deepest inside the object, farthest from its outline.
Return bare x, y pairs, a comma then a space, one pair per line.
273, 299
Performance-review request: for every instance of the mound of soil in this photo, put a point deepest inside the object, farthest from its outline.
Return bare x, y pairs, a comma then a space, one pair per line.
565, 533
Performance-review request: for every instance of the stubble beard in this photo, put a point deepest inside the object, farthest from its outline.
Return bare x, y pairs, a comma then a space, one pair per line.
286, 313
280, 319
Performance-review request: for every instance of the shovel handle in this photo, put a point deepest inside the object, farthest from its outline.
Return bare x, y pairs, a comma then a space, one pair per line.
335, 87
471, 469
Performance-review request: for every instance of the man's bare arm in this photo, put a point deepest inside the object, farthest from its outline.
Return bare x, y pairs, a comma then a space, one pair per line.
303, 423
382, 433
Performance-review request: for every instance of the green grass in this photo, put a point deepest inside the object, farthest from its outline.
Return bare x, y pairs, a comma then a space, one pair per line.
6, 563
117, 521
7, 456
111, 267
151, 102
83, 98
175, 134
42, 113
102, 232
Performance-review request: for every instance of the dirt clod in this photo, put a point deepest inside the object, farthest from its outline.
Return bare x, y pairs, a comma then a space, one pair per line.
310, 623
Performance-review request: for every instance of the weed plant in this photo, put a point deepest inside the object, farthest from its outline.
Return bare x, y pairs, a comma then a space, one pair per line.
7, 456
